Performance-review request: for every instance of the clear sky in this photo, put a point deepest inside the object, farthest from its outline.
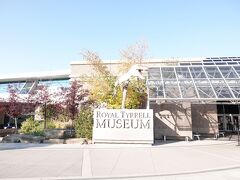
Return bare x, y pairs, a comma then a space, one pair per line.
38, 35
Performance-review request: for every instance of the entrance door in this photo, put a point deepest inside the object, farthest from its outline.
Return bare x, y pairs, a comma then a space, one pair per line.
225, 122
228, 117
221, 124
235, 122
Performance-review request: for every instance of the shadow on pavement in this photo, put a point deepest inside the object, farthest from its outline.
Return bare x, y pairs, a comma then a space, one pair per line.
14, 146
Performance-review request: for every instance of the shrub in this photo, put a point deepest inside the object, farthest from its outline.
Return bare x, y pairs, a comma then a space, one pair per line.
32, 127
50, 124
84, 123
35, 127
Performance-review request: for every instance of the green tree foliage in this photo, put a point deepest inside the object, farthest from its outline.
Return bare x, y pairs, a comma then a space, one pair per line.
32, 127
102, 80
84, 123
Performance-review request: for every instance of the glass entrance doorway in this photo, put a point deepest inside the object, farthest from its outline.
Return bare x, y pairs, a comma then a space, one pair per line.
228, 117
228, 122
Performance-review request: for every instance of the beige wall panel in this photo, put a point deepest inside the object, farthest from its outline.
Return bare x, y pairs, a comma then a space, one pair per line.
204, 118
80, 68
172, 120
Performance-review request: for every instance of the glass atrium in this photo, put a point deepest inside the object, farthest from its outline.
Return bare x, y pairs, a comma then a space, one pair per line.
195, 82
212, 81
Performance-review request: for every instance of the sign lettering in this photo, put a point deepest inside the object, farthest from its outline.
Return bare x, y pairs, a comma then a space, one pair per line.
123, 125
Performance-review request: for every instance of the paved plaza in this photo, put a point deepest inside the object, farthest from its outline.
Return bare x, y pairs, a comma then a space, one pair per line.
171, 160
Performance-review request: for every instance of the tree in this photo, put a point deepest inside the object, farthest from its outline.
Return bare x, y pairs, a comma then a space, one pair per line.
2, 105
17, 105
41, 98
84, 122
134, 54
2, 109
74, 97
102, 81
53, 110
50, 103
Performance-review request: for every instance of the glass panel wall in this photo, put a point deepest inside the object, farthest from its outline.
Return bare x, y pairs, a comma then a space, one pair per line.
195, 82
228, 117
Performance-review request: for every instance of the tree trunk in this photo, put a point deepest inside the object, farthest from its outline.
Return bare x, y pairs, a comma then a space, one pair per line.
15, 121
45, 115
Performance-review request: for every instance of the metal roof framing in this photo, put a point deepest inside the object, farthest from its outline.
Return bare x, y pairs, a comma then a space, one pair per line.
204, 83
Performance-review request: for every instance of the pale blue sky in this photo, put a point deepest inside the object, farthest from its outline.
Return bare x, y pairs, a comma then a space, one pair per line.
37, 35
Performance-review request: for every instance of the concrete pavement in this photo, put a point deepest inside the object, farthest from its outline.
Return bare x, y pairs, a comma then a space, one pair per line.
171, 160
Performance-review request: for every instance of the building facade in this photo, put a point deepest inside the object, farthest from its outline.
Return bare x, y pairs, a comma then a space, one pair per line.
188, 96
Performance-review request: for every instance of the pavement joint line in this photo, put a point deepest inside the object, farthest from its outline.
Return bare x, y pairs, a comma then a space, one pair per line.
128, 176
154, 166
117, 160
78, 146
86, 164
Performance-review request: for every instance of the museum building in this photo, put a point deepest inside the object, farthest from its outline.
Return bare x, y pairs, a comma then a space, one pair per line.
188, 96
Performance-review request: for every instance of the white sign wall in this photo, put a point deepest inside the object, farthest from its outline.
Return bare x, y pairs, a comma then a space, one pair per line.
123, 126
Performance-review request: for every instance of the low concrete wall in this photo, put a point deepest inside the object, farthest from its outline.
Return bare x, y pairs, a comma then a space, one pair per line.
5, 132
172, 120
58, 133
